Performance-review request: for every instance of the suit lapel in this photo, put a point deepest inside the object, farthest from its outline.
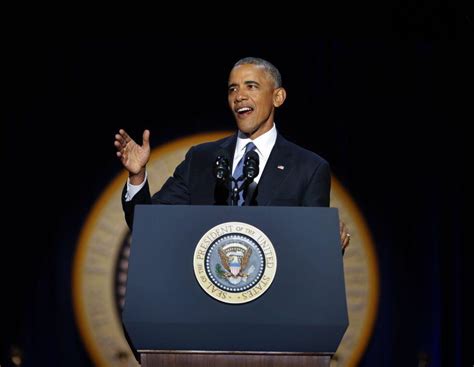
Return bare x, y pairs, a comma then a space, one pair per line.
278, 167
229, 145
221, 193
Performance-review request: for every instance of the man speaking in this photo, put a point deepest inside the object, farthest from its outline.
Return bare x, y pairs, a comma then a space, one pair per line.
285, 174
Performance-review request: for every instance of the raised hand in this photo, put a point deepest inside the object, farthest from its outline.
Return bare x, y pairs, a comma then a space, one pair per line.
133, 156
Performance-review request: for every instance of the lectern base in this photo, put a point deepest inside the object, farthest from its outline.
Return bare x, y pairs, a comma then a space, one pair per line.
159, 358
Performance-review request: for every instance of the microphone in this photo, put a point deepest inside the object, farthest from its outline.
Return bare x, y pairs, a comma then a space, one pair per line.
251, 165
221, 166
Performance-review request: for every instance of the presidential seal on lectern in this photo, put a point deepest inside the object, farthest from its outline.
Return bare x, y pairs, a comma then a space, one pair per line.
235, 262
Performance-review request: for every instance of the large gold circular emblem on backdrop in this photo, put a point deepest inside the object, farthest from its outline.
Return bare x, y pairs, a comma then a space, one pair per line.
101, 262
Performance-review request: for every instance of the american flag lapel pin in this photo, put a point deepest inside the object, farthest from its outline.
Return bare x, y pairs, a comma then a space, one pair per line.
281, 167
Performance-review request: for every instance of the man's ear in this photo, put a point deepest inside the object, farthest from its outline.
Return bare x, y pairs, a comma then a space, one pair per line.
279, 96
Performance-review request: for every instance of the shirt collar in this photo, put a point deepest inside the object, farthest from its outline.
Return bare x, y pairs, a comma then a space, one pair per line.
264, 143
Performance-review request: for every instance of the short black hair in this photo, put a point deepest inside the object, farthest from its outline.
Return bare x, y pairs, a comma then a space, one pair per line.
268, 66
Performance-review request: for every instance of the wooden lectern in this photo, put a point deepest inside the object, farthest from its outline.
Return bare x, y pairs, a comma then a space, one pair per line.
155, 358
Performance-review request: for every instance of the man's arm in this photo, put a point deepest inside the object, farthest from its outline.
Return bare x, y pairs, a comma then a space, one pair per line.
134, 158
319, 187
175, 191
141, 197
318, 194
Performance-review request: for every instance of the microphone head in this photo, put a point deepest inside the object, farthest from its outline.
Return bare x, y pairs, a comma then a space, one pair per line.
221, 167
224, 154
252, 154
251, 165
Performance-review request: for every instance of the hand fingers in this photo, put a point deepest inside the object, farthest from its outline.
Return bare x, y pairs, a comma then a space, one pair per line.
119, 138
344, 233
121, 141
124, 135
146, 139
119, 144
345, 242
121, 147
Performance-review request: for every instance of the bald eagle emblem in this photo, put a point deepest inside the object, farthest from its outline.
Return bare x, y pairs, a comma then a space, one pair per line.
234, 261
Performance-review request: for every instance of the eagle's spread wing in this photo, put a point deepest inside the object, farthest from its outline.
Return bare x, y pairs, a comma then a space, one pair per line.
246, 258
224, 262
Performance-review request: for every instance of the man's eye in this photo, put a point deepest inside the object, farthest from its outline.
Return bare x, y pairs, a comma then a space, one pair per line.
232, 89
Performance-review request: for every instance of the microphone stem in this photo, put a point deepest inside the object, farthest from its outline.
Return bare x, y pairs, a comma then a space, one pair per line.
235, 190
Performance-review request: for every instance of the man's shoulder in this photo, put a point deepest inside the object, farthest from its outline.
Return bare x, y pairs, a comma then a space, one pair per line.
302, 154
213, 145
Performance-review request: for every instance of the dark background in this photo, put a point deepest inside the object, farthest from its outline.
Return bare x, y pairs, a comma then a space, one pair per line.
388, 109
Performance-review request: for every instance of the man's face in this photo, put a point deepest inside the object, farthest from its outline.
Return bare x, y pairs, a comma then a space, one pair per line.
252, 98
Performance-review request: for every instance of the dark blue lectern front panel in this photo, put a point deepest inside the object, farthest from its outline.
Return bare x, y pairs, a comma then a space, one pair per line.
304, 309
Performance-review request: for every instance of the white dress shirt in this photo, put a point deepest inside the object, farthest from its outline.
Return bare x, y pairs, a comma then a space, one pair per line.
133, 189
264, 145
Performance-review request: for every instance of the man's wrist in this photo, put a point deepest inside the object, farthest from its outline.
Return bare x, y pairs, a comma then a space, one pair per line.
137, 178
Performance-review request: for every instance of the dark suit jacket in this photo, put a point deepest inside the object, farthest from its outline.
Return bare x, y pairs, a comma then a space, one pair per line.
305, 179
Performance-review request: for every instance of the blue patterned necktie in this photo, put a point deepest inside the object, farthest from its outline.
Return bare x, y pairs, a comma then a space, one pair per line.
240, 168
